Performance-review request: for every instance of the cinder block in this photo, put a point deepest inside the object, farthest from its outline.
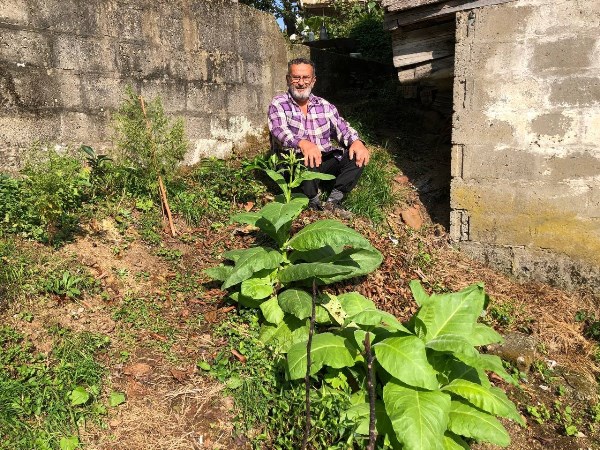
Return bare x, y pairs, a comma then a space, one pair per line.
501, 23
123, 21
206, 98
27, 84
576, 91
84, 54
14, 13
101, 93
67, 16
568, 55
475, 127
24, 48
171, 92
80, 128
590, 130
482, 162
22, 130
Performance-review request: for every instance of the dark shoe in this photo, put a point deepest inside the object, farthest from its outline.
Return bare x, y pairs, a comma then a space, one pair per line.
315, 204
337, 209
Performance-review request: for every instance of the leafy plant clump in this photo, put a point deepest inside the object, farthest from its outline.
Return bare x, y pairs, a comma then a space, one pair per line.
45, 398
428, 386
148, 142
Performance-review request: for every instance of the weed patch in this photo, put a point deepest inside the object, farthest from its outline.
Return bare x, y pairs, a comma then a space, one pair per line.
39, 407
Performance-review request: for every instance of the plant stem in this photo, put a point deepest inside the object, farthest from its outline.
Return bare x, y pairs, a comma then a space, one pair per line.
371, 390
311, 331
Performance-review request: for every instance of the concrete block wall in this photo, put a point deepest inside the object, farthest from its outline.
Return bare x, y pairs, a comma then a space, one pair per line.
64, 66
526, 139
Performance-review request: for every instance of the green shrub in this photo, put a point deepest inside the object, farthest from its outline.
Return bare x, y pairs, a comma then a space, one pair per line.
149, 144
44, 201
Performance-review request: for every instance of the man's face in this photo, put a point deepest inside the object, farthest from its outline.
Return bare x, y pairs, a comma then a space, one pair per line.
300, 81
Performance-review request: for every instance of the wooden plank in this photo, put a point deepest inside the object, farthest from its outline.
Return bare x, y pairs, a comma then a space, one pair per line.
422, 45
401, 5
431, 70
393, 21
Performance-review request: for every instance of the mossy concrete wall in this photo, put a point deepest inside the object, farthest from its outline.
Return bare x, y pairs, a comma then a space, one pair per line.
525, 191
64, 66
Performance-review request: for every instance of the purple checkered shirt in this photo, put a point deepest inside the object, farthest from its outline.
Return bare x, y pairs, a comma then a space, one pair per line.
322, 123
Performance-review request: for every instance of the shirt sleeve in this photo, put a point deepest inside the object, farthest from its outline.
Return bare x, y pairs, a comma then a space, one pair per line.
344, 133
279, 128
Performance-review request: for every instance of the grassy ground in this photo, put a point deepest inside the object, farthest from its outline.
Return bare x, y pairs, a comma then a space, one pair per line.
112, 337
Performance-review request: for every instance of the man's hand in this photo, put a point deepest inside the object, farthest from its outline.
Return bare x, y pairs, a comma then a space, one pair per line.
359, 152
311, 153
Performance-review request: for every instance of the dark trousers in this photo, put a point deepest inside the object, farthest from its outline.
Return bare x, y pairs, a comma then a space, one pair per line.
345, 170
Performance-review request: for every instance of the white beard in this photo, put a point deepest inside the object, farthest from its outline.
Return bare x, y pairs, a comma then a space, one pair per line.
300, 96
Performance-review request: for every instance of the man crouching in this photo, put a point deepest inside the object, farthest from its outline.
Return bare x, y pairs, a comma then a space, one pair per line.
306, 123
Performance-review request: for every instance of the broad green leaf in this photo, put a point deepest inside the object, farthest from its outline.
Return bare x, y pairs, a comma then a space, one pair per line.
79, 396
361, 261
360, 414
277, 178
116, 399
491, 400
450, 368
454, 442
405, 359
489, 363
280, 214
250, 261
418, 292
236, 254
283, 335
327, 350
69, 443
452, 343
219, 273
452, 313
257, 287
334, 308
315, 255
248, 302
484, 335
353, 303
309, 175
272, 311
419, 418
327, 233
371, 316
296, 302
470, 422
234, 382
306, 272
322, 316
249, 218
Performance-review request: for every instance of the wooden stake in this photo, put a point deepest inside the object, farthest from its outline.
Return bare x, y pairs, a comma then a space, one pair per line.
163, 196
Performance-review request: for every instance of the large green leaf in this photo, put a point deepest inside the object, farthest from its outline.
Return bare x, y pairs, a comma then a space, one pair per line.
248, 217
296, 302
451, 313
450, 368
405, 359
465, 420
258, 286
250, 261
489, 399
454, 442
283, 335
353, 303
306, 272
484, 335
452, 343
327, 350
277, 178
371, 316
361, 261
327, 233
489, 363
248, 302
419, 418
276, 218
219, 273
334, 308
272, 311
360, 414
315, 255
418, 292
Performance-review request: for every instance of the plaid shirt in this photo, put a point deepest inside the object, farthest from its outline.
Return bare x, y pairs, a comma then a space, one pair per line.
322, 124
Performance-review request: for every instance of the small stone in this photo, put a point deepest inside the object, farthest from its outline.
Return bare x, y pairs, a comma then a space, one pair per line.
518, 349
412, 218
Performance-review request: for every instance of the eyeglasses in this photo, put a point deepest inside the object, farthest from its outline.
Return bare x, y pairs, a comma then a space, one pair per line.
304, 79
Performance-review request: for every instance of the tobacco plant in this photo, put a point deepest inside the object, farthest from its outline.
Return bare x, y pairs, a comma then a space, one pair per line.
431, 387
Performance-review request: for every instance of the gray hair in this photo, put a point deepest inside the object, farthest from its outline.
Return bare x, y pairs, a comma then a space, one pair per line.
296, 61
